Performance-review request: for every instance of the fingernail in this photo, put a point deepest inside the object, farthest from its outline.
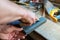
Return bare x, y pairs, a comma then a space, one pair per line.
18, 39
21, 28
23, 37
37, 18
15, 35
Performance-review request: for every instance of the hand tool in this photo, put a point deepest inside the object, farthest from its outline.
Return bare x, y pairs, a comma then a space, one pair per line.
28, 29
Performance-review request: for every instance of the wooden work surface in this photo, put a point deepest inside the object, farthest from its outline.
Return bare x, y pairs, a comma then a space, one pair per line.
49, 29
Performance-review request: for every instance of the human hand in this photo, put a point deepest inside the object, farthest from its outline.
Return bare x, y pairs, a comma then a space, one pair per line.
11, 33
29, 17
10, 12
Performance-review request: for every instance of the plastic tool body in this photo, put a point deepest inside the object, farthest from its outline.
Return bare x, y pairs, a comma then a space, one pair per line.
29, 29
53, 12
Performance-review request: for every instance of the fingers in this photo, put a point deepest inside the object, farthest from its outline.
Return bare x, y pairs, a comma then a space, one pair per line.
10, 33
15, 35
29, 20
29, 17
21, 35
4, 36
18, 36
9, 30
32, 20
18, 29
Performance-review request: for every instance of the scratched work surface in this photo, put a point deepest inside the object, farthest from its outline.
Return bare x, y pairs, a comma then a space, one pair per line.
49, 30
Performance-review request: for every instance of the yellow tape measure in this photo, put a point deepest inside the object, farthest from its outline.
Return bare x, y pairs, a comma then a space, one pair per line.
52, 14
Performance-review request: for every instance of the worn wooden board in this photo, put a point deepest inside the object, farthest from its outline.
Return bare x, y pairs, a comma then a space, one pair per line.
49, 30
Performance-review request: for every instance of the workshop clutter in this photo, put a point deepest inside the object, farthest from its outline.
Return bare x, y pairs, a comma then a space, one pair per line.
53, 12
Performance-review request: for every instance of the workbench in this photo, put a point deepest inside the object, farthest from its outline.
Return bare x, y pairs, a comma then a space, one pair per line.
49, 29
